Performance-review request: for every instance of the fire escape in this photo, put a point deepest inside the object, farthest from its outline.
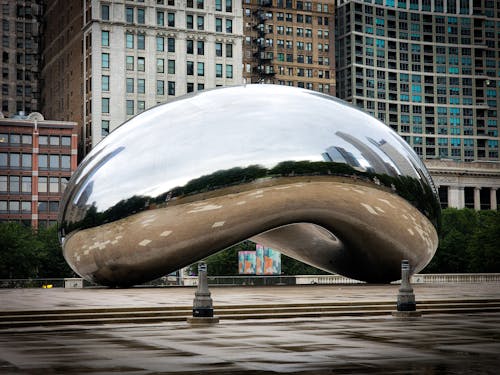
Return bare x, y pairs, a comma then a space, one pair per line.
263, 69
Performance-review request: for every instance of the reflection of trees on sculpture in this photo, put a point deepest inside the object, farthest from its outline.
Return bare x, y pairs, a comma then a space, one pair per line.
413, 190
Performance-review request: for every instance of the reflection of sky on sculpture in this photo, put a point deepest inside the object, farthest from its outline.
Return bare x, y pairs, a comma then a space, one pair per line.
221, 129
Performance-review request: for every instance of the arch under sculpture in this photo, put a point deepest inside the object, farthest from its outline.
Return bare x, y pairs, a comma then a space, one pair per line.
292, 169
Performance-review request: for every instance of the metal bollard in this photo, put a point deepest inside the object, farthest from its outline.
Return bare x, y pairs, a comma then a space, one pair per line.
202, 303
406, 298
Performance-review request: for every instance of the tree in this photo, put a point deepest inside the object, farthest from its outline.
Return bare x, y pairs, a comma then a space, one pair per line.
18, 249
50, 257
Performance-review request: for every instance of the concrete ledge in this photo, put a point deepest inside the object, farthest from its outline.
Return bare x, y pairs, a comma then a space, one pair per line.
203, 320
406, 314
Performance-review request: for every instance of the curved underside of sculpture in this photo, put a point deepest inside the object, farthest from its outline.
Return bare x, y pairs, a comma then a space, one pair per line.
298, 171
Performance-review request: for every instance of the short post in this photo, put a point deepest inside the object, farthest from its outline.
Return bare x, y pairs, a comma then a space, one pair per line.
203, 311
406, 306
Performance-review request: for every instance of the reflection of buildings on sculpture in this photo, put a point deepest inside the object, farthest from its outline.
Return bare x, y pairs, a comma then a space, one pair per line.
376, 162
340, 155
472, 185
37, 158
403, 165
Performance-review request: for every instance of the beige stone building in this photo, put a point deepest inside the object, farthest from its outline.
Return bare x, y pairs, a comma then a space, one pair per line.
135, 55
466, 184
290, 42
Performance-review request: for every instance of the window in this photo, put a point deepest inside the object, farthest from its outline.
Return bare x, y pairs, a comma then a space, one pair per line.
129, 40
201, 69
14, 184
171, 88
105, 83
141, 64
129, 62
141, 85
190, 87
190, 68
218, 70
53, 161
160, 18
189, 22
26, 161
229, 26
229, 50
105, 60
129, 15
65, 162
105, 38
200, 22
229, 71
189, 46
171, 45
160, 65
53, 185
218, 25
200, 47
140, 16
3, 183
104, 128
218, 5
229, 6
105, 105
218, 49
141, 105
43, 161
130, 107
141, 41
171, 66
160, 44
160, 87
171, 19
130, 85
199, 4
105, 12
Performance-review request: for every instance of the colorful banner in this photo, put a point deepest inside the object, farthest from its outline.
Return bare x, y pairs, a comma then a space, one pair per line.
272, 262
259, 256
246, 262
262, 261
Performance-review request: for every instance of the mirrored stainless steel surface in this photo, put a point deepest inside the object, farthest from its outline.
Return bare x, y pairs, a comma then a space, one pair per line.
299, 171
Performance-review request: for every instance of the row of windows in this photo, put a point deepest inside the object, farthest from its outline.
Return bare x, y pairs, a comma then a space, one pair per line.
170, 22
15, 207
160, 15
22, 184
300, 32
27, 139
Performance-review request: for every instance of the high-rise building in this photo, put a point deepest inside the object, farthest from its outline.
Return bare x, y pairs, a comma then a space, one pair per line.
290, 42
37, 158
20, 50
427, 68
135, 55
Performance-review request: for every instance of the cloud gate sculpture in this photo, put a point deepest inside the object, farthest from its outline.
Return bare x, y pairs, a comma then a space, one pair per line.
292, 169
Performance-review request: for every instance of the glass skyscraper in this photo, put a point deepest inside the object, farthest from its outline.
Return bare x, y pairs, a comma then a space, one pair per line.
430, 69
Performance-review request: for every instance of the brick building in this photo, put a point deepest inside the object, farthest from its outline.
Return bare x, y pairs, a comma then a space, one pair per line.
37, 158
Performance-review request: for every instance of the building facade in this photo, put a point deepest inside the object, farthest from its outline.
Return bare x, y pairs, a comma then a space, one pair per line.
37, 158
20, 34
473, 185
290, 42
427, 68
137, 54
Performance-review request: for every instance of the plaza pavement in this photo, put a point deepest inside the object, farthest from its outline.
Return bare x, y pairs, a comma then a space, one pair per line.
433, 344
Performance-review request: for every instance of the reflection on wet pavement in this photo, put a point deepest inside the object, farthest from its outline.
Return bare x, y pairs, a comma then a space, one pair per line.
453, 344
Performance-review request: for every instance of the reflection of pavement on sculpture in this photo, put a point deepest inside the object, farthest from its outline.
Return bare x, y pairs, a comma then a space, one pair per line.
168, 238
